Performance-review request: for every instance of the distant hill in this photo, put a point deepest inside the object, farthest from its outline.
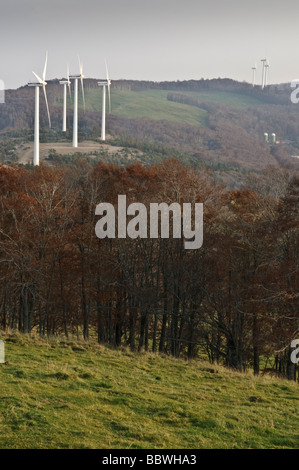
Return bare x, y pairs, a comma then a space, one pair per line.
214, 121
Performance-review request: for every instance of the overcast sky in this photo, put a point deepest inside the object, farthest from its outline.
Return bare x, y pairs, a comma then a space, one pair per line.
149, 39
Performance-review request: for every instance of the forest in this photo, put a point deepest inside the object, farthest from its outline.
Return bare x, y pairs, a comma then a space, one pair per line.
234, 300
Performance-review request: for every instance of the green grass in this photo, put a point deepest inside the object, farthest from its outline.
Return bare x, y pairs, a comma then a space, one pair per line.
236, 100
72, 394
150, 104
153, 104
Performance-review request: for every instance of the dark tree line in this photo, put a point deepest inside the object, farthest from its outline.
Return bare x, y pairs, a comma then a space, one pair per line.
236, 297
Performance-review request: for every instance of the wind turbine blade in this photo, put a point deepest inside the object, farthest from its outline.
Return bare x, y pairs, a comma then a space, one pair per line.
107, 76
39, 79
68, 79
45, 67
81, 80
80, 66
44, 88
82, 87
109, 98
108, 86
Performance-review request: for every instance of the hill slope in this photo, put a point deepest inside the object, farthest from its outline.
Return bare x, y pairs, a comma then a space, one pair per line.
69, 394
213, 121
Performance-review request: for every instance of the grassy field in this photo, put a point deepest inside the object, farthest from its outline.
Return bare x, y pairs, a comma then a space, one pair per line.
150, 104
236, 100
71, 394
153, 104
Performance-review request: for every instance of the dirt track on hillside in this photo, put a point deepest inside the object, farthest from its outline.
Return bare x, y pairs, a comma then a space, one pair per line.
25, 151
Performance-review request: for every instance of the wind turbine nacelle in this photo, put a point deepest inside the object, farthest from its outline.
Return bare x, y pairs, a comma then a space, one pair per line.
102, 83
34, 84
74, 77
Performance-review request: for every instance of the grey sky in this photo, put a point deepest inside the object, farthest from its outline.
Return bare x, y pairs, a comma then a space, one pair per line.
149, 39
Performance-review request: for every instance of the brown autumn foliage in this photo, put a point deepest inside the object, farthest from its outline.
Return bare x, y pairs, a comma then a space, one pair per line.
236, 297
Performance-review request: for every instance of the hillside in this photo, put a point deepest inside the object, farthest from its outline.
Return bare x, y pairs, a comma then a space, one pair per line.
63, 394
215, 122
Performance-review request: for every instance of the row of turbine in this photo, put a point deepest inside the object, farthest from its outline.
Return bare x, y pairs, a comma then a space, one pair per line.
67, 83
265, 71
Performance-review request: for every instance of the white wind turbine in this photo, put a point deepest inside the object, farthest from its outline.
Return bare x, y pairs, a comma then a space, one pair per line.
104, 84
263, 72
253, 74
41, 82
65, 83
267, 65
75, 122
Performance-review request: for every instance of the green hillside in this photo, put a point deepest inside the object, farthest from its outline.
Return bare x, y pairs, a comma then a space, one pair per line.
153, 104
218, 122
69, 394
236, 100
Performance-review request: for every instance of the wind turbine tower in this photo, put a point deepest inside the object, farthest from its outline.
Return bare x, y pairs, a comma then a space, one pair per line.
75, 121
104, 84
253, 75
263, 72
267, 65
41, 82
65, 83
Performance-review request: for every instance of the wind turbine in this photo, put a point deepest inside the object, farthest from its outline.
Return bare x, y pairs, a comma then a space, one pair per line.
41, 82
104, 84
263, 72
65, 83
267, 65
75, 122
253, 74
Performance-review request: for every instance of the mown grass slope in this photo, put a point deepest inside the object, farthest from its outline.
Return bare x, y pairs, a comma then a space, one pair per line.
71, 394
236, 100
153, 104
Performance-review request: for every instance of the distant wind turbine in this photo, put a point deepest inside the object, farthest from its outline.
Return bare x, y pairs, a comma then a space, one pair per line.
253, 74
65, 83
263, 72
75, 122
267, 65
41, 82
104, 84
